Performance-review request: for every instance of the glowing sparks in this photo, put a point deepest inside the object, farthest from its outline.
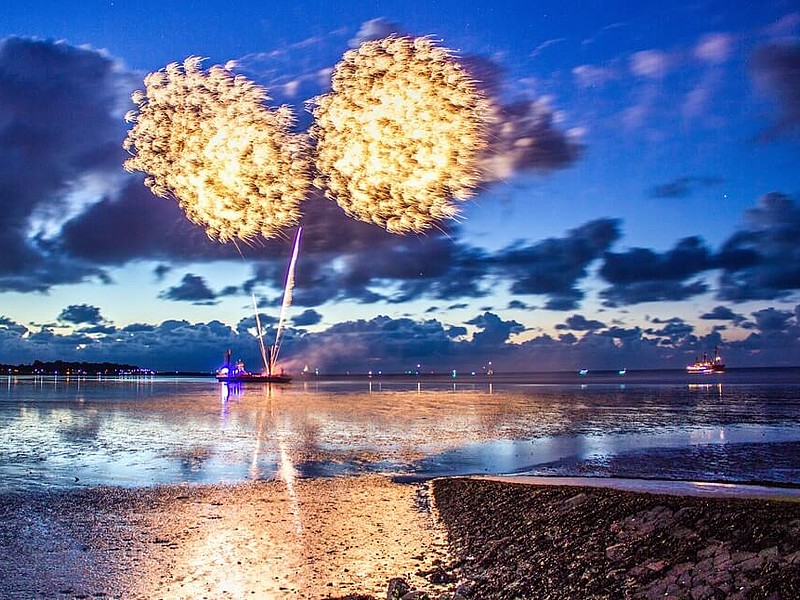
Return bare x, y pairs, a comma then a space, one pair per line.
399, 135
206, 138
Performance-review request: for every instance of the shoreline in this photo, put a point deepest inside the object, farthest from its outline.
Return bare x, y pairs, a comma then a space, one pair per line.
348, 537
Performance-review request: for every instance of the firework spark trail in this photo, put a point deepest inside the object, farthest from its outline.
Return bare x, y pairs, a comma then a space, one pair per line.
206, 138
399, 135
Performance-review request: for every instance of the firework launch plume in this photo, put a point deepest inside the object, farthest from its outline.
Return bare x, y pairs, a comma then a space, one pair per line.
398, 137
207, 139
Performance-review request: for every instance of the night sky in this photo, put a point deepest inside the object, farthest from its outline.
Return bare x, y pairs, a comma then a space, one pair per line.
640, 207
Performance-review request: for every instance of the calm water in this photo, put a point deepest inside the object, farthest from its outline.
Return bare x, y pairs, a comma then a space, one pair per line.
740, 426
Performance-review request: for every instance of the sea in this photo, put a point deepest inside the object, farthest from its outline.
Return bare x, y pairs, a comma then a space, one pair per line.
63, 433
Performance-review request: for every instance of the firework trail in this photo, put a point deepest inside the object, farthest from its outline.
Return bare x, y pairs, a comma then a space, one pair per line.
206, 139
398, 137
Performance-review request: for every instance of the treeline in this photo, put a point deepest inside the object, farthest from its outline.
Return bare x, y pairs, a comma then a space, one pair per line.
61, 367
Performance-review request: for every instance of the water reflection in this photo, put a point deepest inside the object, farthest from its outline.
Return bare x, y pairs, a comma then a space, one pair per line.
164, 431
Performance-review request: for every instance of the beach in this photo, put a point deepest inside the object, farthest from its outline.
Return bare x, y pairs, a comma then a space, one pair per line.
349, 537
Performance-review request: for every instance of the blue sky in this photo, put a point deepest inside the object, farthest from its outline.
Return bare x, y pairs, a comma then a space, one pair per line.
642, 206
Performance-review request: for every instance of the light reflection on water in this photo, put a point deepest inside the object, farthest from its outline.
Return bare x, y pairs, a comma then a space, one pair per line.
70, 433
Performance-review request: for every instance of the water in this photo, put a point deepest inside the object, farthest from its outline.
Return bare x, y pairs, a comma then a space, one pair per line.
740, 426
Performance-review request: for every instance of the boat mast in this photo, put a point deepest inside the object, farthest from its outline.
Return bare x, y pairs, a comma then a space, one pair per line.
287, 302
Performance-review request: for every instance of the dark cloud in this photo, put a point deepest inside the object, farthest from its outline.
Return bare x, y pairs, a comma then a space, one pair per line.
770, 320
518, 305
553, 266
776, 68
524, 138
61, 125
306, 318
192, 288
81, 313
135, 225
94, 329
675, 331
642, 275
581, 323
651, 291
396, 345
761, 261
722, 313
683, 187
160, 271
494, 331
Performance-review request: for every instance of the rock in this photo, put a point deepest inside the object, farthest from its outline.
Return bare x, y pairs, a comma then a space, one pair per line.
397, 589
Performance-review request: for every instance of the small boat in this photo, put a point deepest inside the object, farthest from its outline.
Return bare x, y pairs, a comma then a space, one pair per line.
583, 372
622, 371
235, 372
706, 365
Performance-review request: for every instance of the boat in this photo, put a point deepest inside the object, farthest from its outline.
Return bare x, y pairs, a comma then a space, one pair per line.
707, 366
583, 372
236, 372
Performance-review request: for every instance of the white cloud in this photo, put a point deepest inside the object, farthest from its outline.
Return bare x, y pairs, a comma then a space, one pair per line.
651, 64
714, 48
593, 76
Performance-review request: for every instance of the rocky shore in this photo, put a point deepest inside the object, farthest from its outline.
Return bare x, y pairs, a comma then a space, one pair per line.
370, 538
521, 541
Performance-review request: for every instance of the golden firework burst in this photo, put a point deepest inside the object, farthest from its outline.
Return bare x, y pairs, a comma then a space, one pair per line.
399, 135
207, 139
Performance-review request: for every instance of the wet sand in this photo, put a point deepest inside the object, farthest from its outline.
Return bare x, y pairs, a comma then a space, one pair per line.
321, 538
347, 537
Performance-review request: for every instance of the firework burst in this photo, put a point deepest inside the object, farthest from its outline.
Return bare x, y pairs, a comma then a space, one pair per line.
207, 139
399, 135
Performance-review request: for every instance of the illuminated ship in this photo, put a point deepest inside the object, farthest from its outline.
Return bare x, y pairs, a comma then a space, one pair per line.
707, 365
236, 372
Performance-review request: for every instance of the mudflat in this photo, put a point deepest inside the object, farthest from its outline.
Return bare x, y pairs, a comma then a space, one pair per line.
349, 537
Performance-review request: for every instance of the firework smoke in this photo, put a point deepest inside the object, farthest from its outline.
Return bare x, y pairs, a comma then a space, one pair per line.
206, 139
399, 135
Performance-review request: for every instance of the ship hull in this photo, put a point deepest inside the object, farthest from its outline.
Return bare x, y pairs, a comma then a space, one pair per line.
252, 378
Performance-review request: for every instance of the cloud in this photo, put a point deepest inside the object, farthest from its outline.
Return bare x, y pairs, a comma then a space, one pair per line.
375, 29
770, 320
192, 288
675, 331
517, 304
589, 76
581, 323
61, 125
683, 187
135, 225
776, 69
553, 266
494, 330
524, 137
306, 318
642, 275
787, 25
650, 64
714, 48
545, 45
761, 261
398, 344
722, 313
81, 313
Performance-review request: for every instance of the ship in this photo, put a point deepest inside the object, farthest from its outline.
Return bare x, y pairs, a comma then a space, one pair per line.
706, 366
236, 372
